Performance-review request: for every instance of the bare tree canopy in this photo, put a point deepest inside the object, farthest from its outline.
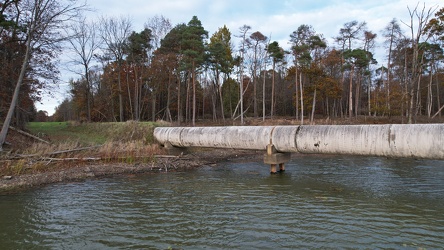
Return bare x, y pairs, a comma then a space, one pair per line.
38, 28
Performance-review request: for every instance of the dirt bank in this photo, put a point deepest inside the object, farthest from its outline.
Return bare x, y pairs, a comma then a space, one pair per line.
94, 170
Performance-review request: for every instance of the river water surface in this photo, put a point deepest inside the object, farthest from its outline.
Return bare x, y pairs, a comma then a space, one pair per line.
319, 202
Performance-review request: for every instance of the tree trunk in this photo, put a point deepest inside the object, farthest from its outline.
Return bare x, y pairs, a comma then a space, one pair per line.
418, 97
179, 111
136, 95
203, 95
296, 92
168, 112
15, 96
272, 92
438, 101
187, 99
153, 106
120, 92
350, 94
388, 78
313, 107
411, 101
430, 94
302, 98
255, 85
194, 95
241, 95
129, 95
263, 94
113, 115
88, 93
369, 97
221, 102
213, 103
358, 95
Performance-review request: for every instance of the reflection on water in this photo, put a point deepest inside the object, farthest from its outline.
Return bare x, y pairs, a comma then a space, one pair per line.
319, 202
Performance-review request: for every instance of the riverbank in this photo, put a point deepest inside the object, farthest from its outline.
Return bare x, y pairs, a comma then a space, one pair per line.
158, 164
72, 152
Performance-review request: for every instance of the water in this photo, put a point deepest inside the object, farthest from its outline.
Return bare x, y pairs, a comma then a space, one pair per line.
319, 202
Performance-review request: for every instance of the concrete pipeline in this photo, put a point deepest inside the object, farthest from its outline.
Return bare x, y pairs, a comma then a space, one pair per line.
391, 140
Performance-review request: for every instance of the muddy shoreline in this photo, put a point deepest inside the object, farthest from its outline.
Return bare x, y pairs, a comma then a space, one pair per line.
82, 171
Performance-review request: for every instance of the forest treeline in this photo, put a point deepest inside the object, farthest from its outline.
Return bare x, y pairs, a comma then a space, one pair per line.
180, 73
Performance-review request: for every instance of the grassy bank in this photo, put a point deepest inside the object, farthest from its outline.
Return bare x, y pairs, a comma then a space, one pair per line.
79, 151
73, 144
93, 133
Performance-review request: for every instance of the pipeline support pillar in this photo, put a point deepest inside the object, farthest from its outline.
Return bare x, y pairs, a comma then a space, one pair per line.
275, 158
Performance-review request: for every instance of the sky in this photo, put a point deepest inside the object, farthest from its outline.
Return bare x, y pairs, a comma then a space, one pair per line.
276, 19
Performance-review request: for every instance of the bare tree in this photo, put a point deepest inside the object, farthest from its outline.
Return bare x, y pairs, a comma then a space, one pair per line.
160, 26
264, 71
115, 33
84, 44
257, 39
392, 33
417, 32
42, 21
243, 34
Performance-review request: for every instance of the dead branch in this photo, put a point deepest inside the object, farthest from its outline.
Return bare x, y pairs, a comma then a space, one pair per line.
56, 152
72, 159
29, 135
438, 111
96, 158
170, 156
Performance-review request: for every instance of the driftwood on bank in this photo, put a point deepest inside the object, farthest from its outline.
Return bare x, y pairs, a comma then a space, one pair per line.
108, 158
56, 152
29, 135
41, 157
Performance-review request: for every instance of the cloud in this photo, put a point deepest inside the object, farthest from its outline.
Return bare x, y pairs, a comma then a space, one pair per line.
278, 18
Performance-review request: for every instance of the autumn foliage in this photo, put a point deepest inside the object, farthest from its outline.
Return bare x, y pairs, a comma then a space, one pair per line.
182, 74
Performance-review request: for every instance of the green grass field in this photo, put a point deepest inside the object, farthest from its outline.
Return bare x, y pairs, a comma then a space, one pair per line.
93, 133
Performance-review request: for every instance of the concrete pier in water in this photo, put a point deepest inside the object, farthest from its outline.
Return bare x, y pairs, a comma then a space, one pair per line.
390, 140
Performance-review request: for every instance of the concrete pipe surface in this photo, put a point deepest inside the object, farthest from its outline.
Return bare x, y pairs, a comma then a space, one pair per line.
235, 137
391, 140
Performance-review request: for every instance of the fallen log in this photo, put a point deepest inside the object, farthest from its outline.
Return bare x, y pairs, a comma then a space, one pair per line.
56, 152
29, 135
17, 157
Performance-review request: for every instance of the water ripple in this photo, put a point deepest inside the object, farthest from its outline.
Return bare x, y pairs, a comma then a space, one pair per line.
320, 202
